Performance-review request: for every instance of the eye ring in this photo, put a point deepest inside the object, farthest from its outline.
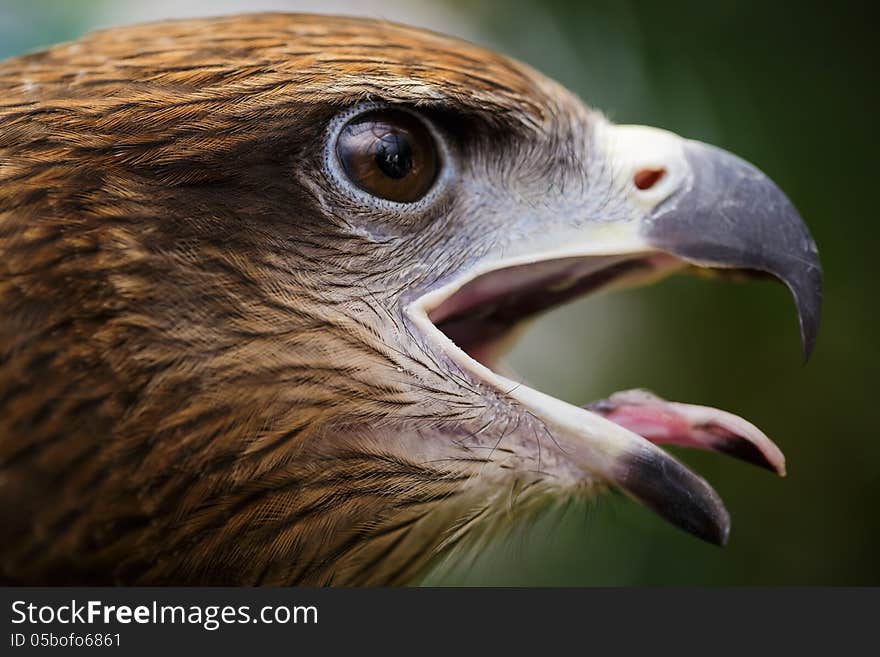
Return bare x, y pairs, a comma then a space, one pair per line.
358, 127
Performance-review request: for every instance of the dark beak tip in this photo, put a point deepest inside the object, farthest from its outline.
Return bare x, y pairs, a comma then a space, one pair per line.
715, 529
808, 343
676, 494
806, 291
722, 537
809, 308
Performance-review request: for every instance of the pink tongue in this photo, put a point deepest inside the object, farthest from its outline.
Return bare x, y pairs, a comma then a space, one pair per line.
671, 423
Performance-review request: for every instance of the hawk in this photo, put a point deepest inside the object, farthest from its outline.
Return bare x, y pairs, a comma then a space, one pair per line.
256, 275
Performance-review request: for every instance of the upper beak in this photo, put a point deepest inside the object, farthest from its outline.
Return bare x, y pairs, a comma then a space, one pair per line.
726, 213
713, 209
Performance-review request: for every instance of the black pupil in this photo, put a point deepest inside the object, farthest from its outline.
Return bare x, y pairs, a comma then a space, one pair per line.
394, 155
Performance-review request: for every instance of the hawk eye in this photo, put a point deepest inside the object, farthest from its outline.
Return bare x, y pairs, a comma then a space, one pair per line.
388, 153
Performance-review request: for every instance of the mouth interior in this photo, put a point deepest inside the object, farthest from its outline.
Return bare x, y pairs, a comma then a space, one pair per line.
481, 316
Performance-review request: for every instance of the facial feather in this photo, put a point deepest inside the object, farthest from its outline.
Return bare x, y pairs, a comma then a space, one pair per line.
202, 360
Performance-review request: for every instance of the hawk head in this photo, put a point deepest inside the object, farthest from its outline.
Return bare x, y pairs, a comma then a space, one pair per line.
256, 274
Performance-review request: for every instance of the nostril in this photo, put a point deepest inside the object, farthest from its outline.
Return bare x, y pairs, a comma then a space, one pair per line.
647, 178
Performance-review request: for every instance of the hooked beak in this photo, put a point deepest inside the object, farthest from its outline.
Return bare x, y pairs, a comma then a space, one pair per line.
689, 205
728, 214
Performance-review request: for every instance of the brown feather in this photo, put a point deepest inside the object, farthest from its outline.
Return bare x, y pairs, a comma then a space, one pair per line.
200, 381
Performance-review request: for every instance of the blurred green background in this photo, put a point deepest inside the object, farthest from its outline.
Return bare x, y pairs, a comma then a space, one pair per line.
791, 87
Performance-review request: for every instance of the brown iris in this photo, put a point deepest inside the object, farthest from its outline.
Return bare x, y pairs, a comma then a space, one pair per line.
388, 153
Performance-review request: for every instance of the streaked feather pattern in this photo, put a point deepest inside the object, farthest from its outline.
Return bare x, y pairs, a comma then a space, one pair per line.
201, 379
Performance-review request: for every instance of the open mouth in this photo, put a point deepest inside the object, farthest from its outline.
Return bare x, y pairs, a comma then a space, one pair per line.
475, 320
709, 210
482, 315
